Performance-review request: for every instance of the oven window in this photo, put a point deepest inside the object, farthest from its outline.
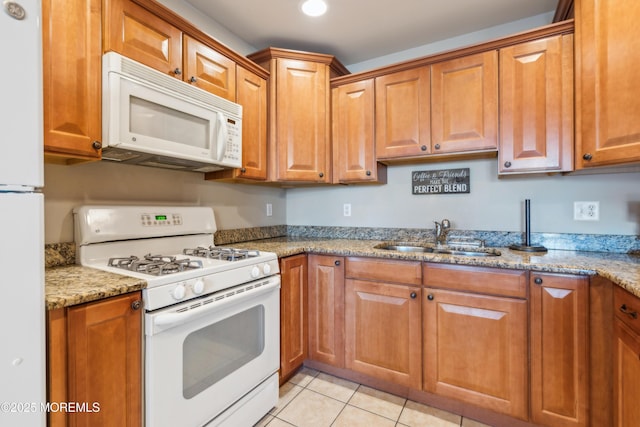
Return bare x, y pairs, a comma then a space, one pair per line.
215, 351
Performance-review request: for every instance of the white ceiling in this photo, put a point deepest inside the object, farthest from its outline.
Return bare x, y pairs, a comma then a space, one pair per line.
359, 30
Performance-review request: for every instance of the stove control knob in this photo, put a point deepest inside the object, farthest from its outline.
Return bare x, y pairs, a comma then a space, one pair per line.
198, 287
179, 291
266, 269
255, 272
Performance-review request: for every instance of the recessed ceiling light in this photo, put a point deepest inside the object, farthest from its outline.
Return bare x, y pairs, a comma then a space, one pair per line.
314, 7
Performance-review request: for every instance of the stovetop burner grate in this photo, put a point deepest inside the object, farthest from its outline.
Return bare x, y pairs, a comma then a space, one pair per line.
157, 265
224, 254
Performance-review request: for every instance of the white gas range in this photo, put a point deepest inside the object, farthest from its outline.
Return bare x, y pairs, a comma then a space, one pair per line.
211, 313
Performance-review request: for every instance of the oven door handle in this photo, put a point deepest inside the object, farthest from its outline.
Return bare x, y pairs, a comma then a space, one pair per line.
164, 321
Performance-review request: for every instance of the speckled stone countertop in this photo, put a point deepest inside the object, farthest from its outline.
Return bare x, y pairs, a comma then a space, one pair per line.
68, 284
72, 284
621, 269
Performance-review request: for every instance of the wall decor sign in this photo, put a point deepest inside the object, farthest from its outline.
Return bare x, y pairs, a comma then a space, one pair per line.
444, 181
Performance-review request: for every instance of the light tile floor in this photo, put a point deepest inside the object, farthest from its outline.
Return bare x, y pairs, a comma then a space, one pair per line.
315, 399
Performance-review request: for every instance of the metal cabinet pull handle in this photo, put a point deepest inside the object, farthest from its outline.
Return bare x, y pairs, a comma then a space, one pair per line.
437, 146
413, 295
430, 297
507, 164
625, 310
337, 263
537, 281
136, 304
96, 145
193, 79
177, 71
587, 156
423, 148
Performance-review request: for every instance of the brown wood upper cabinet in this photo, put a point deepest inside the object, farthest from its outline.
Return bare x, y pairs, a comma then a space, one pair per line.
139, 34
403, 118
72, 73
352, 118
251, 91
464, 104
559, 353
447, 107
607, 96
300, 113
536, 106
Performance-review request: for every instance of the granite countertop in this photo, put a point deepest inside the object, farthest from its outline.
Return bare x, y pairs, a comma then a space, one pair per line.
73, 284
621, 269
68, 285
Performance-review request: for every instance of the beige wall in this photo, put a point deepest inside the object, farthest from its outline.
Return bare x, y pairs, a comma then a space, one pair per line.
493, 203
235, 205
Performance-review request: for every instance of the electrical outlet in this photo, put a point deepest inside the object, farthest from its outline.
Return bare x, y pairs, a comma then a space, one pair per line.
586, 211
346, 209
269, 209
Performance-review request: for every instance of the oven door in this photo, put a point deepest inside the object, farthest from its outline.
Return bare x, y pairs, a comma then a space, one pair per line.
204, 355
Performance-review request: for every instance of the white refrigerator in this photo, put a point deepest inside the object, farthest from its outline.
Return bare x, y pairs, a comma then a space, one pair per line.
22, 311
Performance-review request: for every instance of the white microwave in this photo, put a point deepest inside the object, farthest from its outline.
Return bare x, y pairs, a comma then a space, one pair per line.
153, 119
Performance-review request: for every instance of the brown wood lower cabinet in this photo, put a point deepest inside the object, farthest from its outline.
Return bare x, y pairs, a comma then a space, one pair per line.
475, 346
95, 357
382, 330
626, 359
293, 314
326, 309
559, 358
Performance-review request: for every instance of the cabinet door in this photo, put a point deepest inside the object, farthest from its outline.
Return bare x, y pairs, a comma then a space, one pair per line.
559, 355
476, 350
293, 314
464, 104
536, 106
138, 34
354, 157
403, 122
302, 122
105, 361
209, 70
607, 95
382, 328
326, 309
626, 376
72, 73
252, 95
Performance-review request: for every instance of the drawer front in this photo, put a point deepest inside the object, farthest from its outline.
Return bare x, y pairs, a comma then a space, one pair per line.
483, 280
627, 308
384, 270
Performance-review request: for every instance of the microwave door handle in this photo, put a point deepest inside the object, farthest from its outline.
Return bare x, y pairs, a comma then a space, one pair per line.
221, 136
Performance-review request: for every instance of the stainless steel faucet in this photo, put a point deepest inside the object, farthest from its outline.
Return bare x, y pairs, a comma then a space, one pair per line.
442, 228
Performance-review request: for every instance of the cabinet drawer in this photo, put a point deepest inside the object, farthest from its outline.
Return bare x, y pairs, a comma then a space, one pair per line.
627, 308
385, 270
494, 281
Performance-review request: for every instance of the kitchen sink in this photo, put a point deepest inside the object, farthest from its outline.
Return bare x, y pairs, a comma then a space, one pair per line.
404, 248
407, 247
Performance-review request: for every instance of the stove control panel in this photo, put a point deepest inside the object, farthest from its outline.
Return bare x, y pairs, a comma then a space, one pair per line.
160, 296
160, 219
